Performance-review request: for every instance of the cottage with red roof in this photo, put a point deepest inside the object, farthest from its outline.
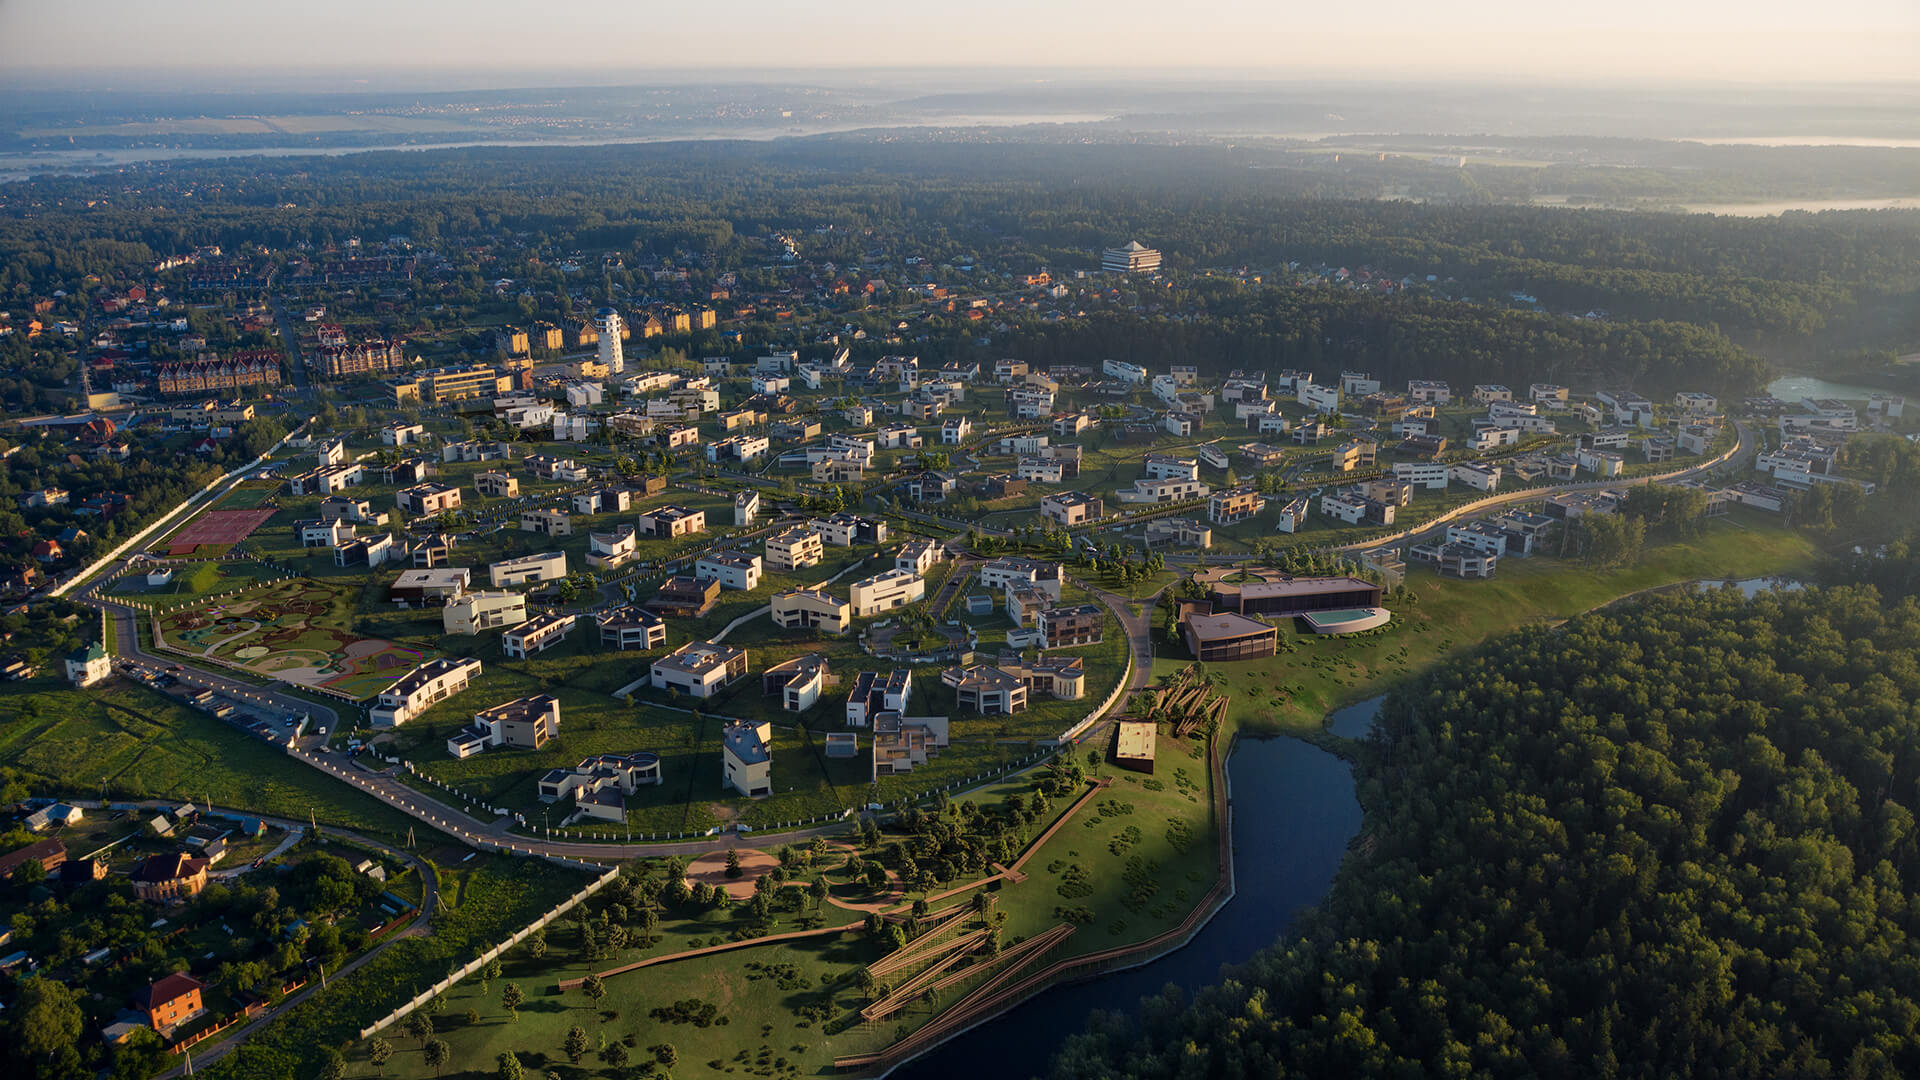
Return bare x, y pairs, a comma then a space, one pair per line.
172, 1002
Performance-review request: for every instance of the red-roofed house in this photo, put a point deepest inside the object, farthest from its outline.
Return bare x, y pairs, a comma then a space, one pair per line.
171, 1002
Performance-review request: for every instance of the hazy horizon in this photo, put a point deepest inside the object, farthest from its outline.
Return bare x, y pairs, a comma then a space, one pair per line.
487, 44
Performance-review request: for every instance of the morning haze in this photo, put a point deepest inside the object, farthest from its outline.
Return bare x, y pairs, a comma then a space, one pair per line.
1100, 541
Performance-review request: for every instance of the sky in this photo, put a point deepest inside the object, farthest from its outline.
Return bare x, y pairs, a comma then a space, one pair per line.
472, 43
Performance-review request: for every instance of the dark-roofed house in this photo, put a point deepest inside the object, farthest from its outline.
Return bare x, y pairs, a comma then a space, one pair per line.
1227, 636
165, 878
632, 627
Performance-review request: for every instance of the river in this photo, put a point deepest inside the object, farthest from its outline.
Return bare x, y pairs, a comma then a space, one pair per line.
1308, 794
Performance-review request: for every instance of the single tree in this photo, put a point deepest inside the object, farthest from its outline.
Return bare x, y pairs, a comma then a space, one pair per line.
473, 1017
335, 1066
378, 1051
438, 1055
509, 1066
596, 988
510, 1000
576, 1043
419, 1026
489, 972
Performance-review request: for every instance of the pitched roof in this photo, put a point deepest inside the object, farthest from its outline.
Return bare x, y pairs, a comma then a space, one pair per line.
171, 988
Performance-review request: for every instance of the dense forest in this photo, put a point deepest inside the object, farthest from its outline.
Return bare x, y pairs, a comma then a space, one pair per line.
1675, 838
1771, 282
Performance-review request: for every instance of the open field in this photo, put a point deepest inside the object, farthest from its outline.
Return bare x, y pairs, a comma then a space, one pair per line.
193, 581
1296, 690
126, 741
297, 630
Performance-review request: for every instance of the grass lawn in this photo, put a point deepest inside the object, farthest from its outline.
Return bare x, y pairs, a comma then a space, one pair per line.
1126, 874
192, 582
1295, 691
133, 742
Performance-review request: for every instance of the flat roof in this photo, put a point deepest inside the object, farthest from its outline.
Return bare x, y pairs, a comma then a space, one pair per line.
1136, 740
1224, 625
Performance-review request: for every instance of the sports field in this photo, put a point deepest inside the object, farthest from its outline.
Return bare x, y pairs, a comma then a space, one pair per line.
297, 631
218, 528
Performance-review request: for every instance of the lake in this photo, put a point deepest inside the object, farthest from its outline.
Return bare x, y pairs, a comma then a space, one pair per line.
1275, 781
1356, 720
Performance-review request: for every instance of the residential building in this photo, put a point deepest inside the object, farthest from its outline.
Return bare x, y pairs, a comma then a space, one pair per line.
1429, 475
919, 556
429, 587
88, 666
163, 879
1048, 577
876, 692
746, 507
536, 635
810, 609
955, 430
685, 596
1294, 595
471, 613
611, 550
420, 688
546, 566
602, 501
747, 758
547, 522
1354, 454
733, 569
1476, 475
631, 627
1293, 513
1321, 399
1491, 438
798, 682
699, 668
1145, 490
672, 522
886, 590
1358, 383
1067, 627
599, 784
527, 723
1548, 394
794, 548
1070, 508
1428, 392
903, 743
174, 1001
849, 530
1179, 532
986, 690
1455, 559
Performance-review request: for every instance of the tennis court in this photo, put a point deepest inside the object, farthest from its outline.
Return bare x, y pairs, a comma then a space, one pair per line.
218, 528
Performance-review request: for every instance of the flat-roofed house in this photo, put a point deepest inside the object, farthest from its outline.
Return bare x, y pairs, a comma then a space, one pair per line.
746, 751
424, 587
536, 635
811, 609
794, 548
798, 682
427, 499
546, 566
903, 743
1070, 508
547, 522
875, 692
699, 668
527, 723
1065, 627
418, 689
631, 627
886, 590
611, 550
599, 784
987, 690
1234, 505
471, 613
733, 569
668, 522
497, 485
685, 596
